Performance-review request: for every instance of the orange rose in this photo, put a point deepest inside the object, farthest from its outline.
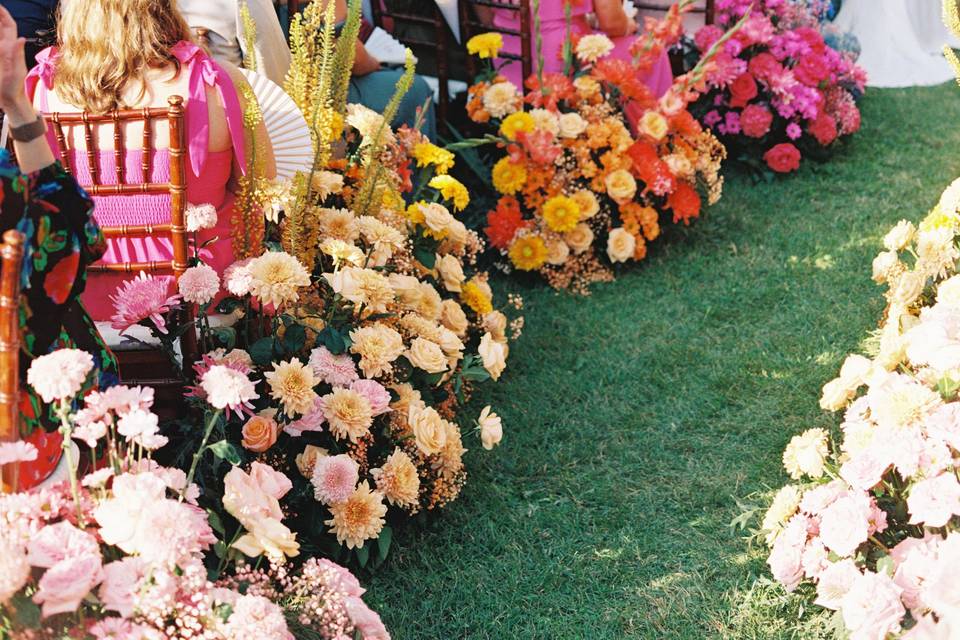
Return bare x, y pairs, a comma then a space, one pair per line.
259, 434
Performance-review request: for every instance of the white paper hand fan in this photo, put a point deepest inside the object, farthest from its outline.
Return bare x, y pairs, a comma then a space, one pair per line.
288, 129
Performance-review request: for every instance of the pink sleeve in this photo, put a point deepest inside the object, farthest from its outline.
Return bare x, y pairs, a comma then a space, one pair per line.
205, 72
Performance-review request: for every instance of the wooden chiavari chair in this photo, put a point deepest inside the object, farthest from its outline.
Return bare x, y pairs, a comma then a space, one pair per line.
388, 18
139, 367
472, 22
11, 260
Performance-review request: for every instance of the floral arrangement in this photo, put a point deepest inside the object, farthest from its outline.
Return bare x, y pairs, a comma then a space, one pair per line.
341, 354
777, 92
123, 551
872, 521
593, 165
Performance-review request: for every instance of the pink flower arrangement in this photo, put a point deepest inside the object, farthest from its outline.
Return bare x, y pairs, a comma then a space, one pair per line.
143, 298
777, 91
335, 478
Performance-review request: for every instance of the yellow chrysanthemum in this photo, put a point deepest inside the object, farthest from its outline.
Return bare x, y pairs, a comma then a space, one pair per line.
398, 480
561, 213
528, 253
485, 45
291, 383
476, 298
427, 153
515, 123
415, 213
509, 177
360, 518
451, 189
940, 219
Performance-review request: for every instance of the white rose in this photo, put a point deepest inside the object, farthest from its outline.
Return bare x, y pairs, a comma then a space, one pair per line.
948, 292
494, 355
427, 355
900, 236
491, 429
620, 245
451, 271
886, 266
572, 125
908, 287
835, 395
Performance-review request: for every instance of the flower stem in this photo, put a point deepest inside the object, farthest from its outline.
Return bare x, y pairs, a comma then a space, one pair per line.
63, 412
200, 452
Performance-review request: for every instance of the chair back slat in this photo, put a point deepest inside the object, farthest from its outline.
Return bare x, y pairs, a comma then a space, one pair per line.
119, 151
61, 141
471, 25
93, 158
11, 260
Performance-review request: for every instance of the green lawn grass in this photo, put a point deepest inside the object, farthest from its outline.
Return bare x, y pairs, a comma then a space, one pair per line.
636, 417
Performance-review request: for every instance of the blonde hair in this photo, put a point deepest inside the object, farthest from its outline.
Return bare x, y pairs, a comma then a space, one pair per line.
107, 44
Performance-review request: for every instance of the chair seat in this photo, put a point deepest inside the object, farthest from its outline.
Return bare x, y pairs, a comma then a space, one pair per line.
139, 338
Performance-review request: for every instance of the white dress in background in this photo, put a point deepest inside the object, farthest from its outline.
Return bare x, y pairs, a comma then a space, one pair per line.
900, 41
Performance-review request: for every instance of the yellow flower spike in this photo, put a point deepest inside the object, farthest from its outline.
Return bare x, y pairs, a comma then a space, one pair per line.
515, 123
509, 177
562, 214
485, 45
528, 253
451, 189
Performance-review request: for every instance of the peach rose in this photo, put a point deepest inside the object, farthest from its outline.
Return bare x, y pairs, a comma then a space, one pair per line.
427, 355
587, 202
428, 428
259, 433
453, 317
620, 245
580, 238
494, 355
496, 323
557, 252
451, 272
621, 186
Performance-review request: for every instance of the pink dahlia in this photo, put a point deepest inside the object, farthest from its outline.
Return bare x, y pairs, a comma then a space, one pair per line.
334, 478
375, 393
144, 297
199, 284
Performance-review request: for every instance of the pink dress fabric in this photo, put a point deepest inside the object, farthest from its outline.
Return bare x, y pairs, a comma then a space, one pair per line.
553, 28
207, 177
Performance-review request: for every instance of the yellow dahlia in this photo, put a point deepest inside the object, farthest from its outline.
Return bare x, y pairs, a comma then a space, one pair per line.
348, 413
292, 383
275, 278
509, 177
528, 253
360, 518
485, 45
451, 189
378, 346
476, 298
398, 479
561, 213
515, 123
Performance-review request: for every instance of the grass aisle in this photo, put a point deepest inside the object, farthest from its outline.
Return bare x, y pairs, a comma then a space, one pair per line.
634, 418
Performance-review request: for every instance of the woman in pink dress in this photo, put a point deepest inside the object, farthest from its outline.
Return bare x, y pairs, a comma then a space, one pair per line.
612, 20
106, 60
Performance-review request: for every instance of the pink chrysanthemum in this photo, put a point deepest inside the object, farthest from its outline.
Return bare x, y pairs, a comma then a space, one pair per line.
237, 278
334, 478
199, 284
257, 618
339, 371
61, 374
144, 297
19, 451
227, 388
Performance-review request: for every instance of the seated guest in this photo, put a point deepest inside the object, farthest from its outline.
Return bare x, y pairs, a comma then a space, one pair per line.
107, 61
45, 203
220, 21
36, 21
612, 21
373, 85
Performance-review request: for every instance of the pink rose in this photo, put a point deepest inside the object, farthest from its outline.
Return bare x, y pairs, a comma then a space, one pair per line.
915, 559
783, 158
343, 579
755, 121
864, 470
60, 541
834, 583
270, 481
845, 524
872, 609
65, 584
934, 501
311, 421
121, 580
787, 554
366, 620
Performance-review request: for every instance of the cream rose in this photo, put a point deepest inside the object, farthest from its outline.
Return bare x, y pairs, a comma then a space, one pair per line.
496, 323
494, 355
887, 266
836, 394
621, 186
948, 292
580, 238
908, 287
427, 355
451, 271
545, 120
453, 317
436, 217
428, 429
572, 125
900, 236
557, 252
620, 245
491, 429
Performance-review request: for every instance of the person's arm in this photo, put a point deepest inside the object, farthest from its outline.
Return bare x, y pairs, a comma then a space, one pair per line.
613, 20
35, 154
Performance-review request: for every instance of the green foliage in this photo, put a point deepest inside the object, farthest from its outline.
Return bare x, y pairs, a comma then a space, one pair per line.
636, 418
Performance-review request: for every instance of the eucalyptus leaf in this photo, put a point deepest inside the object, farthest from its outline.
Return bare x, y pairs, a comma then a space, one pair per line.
226, 451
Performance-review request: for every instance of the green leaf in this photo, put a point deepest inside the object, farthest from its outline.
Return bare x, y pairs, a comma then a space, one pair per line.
227, 336
26, 614
383, 542
229, 305
886, 565
294, 338
220, 549
262, 351
426, 257
226, 451
333, 340
363, 555
215, 522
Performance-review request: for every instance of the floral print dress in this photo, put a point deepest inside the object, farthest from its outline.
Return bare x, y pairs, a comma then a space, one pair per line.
55, 215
